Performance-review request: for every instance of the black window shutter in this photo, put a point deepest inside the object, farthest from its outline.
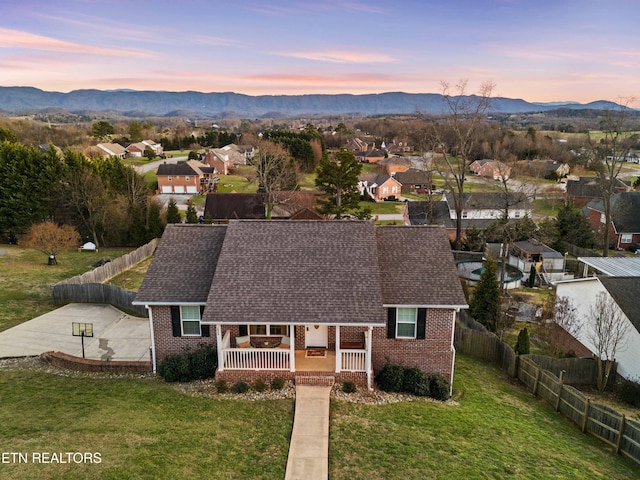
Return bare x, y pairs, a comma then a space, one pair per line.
422, 323
204, 329
243, 330
391, 323
175, 321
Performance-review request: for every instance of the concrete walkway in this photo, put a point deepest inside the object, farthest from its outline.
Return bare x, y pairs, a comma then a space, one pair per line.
309, 449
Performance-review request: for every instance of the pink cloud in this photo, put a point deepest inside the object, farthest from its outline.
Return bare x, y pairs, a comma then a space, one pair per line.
341, 56
30, 41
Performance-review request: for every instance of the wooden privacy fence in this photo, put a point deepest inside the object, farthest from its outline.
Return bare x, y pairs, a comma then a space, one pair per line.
89, 287
537, 373
598, 420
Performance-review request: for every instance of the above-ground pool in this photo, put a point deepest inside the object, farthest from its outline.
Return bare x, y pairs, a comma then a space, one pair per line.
471, 270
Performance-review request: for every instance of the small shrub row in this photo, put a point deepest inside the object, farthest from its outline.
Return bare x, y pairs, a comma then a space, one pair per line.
194, 365
396, 378
243, 387
629, 392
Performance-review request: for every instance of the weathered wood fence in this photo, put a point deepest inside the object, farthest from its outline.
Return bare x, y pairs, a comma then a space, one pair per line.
549, 378
89, 287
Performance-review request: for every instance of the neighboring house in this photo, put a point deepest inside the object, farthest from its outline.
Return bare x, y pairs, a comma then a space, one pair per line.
288, 203
379, 187
236, 154
610, 266
491, 169
361, 295
223, 159
222, 207
415, 181
584, 189
112, 149
480, 210
356, 145
189, 177
549, 264
393, 165
138, 149
400, 147
625, 291
547, 168
370, 156
248, 151
625, 219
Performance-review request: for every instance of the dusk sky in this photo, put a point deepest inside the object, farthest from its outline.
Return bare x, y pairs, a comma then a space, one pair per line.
538, 50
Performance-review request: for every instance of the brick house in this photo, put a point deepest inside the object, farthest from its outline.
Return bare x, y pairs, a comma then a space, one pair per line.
625, 219
190, 177
379, 187
491, 169
267, 293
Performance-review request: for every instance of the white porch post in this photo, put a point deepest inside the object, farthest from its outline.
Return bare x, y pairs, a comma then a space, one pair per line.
219, 343
338, 352
292, 348
153, 340
368, 360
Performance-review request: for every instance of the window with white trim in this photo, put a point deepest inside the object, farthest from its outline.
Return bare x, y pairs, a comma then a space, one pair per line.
394, 189
603, 218
626, 238
269, 330
385, 190
190, 320
406, 320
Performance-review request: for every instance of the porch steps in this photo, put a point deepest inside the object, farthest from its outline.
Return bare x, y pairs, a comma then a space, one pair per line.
316, 380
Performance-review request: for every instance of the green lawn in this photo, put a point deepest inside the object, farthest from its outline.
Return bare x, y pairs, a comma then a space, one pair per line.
144, 428
132, 279
384, 207
25, 278
497, 431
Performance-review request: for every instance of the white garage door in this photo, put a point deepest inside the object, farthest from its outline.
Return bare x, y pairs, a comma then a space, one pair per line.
178, 189
166, 189
192, 189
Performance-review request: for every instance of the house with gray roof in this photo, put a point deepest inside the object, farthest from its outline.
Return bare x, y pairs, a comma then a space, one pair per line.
290, 299
624, 291
379, 186
625, 219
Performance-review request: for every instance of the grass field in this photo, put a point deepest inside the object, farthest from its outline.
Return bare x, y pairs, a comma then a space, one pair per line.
25, 278
144, 428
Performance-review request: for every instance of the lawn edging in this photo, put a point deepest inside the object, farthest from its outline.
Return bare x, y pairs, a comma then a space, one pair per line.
63, 360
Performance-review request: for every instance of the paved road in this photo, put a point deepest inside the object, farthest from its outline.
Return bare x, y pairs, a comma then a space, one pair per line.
147, 167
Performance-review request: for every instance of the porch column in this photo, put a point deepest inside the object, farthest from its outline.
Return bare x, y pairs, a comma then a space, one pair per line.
219, 345
292, 348
368, 360
338, 352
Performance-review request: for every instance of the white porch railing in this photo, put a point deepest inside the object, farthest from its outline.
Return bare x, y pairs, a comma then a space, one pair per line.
255, 358
354, 360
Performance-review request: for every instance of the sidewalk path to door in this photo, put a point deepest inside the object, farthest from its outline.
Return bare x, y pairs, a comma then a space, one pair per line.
115, 334
309, 450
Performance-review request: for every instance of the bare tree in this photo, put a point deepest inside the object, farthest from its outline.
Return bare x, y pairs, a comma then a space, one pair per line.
276, 171
559, 312
608, 334
457, 138
609, 151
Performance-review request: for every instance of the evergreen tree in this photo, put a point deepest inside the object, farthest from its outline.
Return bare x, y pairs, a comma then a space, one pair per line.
192, 214
339, 179
574, 227
531, 282
485, 304
138, 230
522, 344
155, 225
173, 214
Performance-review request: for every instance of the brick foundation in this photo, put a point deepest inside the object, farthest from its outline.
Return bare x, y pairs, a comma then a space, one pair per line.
233, 376
62, 360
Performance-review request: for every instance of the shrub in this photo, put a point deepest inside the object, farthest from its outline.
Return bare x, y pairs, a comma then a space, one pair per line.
221, 386
438, 387
349, 387
415, 381
240, 387
277, 383
195, 365
174, 368
629, 392
259, 386
390, 378
522, 344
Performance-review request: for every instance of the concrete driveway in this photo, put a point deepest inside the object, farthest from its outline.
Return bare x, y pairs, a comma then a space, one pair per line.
116, 335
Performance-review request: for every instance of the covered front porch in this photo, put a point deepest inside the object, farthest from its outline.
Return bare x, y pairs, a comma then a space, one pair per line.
304, 349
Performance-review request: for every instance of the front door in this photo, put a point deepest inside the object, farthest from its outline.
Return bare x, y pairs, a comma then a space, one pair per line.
316, 336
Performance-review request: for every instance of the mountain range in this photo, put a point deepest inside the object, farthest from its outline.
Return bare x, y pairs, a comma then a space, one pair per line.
15, 100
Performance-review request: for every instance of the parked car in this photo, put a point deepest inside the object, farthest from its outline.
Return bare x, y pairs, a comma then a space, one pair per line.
634, 247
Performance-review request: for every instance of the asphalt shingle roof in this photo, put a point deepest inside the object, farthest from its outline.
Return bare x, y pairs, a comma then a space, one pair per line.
417, 267
625, 291
304, 272
183, 265
226, 206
